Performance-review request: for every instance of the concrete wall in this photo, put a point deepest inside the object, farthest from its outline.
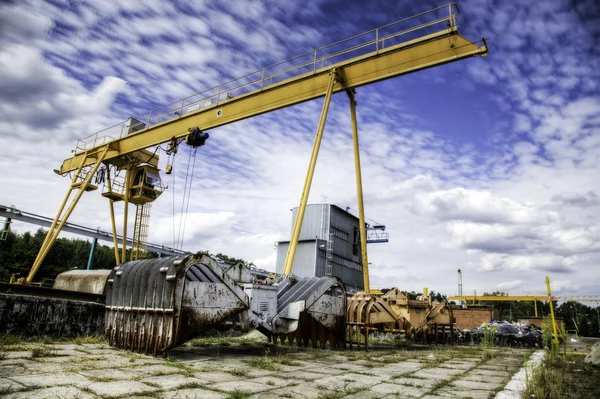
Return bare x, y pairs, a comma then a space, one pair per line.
38, 316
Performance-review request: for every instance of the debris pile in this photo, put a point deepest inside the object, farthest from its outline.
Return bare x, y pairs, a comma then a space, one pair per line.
505, 334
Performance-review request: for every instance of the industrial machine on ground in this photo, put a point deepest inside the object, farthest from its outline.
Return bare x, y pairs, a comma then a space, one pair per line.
421, 319
154, 305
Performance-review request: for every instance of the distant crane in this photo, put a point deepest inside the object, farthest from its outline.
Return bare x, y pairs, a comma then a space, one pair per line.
375, 231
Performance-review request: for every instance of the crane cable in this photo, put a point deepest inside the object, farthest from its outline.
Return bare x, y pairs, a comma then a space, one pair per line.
189, 196
185, 200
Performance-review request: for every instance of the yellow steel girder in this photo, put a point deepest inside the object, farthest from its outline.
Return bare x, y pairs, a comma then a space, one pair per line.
426, 52
492, 298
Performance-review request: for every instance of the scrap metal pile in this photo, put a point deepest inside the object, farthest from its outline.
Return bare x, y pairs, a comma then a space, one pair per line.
505, 334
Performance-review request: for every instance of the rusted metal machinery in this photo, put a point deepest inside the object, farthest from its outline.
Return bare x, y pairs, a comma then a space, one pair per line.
429, 318
368, 313
155, 305
421, 319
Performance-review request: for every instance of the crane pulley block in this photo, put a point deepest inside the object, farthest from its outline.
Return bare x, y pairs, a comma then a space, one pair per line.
196, 138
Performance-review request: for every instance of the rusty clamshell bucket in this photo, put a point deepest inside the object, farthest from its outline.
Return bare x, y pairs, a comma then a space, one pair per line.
154, 305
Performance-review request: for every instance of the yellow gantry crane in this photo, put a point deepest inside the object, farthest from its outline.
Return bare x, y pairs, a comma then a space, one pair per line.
412, 44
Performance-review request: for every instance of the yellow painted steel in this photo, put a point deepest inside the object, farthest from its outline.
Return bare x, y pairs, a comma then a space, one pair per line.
128, 181
53, 233
59, 213
428, 51
492, 298
555, 338
359, 194
112, 218
291, 254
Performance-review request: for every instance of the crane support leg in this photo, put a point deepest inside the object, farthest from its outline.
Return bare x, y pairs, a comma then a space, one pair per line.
291, 254
56, 227
359, 194
112, 220
555, 338
128, 180
60, 211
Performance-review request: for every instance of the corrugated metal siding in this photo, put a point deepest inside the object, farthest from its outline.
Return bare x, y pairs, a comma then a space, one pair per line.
311, 225
304, 261
345, 264
345, 222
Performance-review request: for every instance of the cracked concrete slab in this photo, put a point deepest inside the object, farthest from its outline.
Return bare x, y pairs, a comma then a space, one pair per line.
171, 381
119, 388
51, 393
195, 393
51, 379
241, 385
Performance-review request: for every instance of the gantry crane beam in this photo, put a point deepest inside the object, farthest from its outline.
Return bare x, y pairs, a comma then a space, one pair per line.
492, 298
382, 63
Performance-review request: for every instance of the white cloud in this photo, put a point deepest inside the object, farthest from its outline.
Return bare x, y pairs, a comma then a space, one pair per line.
509, 285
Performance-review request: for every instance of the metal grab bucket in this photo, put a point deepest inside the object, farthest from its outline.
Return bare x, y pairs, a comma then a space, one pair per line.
154, 305
310, 311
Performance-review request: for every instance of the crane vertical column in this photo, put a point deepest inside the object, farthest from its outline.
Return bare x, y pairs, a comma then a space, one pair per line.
555, 338
359, 194
128, 180
112, 219
291, 254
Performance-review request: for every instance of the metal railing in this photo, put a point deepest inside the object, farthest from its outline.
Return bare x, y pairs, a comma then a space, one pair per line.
339, 53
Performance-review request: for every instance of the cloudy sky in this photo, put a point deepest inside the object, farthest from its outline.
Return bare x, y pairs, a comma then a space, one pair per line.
490, 164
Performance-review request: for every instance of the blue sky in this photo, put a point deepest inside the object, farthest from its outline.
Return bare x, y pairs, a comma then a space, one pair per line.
488, 164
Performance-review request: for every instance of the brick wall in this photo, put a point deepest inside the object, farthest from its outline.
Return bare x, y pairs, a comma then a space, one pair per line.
470, 317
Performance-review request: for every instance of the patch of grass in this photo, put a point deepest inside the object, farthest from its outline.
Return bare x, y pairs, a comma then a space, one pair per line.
285, 361
265, 363
270, 382
487, 341
286, 395
320, 354
238, 394
292, 384
365, 373
101, 379
41, 351
152, 384
10, 339
374, 365
440, 384
191, 385
238, 372
175, 363
89, 339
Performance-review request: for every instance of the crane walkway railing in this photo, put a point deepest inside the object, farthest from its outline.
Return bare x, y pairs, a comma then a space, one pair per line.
340, 53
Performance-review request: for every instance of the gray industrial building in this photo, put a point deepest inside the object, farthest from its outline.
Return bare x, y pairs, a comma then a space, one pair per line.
329, 244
